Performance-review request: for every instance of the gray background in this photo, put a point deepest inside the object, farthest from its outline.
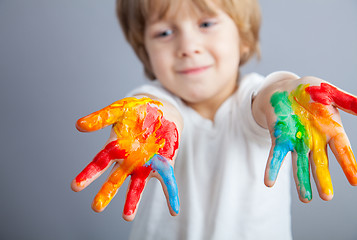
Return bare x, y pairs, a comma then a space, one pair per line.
60, 60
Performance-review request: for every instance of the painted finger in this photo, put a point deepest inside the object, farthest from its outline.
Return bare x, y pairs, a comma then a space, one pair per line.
99, 164
277, 155
168, 181
101, 119
341, 148
328, 94
320, 167
110, 114
302, 176
138, 181
110, 188
287, 132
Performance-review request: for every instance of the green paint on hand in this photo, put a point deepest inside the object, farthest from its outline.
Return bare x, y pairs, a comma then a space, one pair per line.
290, 135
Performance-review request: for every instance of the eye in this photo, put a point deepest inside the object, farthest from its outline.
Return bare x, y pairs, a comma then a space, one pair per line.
207, 24
165, 33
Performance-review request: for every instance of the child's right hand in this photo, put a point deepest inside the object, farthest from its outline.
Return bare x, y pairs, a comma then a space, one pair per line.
142, 143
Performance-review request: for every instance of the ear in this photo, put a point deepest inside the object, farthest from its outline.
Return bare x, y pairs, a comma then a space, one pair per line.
244, 50
244, 53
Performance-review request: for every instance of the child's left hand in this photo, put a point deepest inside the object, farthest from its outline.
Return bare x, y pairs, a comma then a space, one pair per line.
302, 119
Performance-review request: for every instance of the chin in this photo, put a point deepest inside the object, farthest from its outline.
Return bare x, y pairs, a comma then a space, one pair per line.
195, 99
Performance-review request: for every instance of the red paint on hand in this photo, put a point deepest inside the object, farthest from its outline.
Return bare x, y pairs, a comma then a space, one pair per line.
327, 94
142, 132
137, 184
101, 161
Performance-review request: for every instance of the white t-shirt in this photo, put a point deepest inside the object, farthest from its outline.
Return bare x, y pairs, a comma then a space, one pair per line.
219, 171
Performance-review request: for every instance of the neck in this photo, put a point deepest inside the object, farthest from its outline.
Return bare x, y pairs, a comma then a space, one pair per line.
208, 108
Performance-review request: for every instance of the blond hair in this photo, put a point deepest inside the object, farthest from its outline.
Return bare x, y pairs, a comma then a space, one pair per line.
134, 14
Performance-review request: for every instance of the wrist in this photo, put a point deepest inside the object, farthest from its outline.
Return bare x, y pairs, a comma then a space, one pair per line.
261, 107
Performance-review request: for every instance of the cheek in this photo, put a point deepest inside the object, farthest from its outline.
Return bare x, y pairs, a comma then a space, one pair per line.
228, 51
160, 63
156, 57
235, 51
229, 58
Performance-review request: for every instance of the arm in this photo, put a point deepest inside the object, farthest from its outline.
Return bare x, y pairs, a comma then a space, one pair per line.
142, 144
302, 117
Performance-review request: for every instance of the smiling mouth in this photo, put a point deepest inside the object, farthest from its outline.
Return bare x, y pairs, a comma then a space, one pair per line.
196, 70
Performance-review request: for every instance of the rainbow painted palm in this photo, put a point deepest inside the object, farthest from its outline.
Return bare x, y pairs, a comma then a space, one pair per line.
304, 126
145, 141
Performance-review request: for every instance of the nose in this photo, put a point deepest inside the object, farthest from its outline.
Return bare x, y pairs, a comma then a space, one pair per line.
188, 45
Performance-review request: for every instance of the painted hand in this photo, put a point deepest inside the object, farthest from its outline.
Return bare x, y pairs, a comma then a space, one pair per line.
142, 143
306, 120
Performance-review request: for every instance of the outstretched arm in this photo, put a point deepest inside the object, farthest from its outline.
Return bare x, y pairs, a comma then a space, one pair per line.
143, 144
302, 117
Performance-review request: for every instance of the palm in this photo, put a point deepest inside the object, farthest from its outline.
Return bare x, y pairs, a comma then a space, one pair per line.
143, 141
306, 120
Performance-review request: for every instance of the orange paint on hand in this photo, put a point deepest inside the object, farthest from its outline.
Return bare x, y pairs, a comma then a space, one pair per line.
329, 95
318, 127
110, 114
346, 157
142, 132
316, 119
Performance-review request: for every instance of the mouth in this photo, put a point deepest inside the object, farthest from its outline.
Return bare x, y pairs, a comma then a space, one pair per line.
194, 70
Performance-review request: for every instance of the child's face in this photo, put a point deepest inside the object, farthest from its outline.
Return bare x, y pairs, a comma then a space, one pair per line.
194, 55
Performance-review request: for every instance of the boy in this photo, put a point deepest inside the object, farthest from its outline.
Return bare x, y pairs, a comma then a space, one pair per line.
194, 50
